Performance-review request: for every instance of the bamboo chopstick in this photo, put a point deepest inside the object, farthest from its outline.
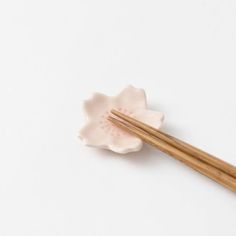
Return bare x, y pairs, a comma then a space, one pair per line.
183, 146
198, 165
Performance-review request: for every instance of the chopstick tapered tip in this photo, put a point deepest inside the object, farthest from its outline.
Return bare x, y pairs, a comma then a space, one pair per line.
114, 111
112, 119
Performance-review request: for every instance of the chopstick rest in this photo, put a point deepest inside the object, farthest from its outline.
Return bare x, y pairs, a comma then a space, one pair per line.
122, 123
100, 133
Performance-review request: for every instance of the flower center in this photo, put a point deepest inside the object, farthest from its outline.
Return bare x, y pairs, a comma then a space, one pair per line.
110, 128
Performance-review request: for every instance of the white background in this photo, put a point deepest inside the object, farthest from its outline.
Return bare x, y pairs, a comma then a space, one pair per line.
54, 54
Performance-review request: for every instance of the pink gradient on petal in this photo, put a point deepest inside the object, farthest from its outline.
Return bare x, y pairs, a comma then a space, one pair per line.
101, 133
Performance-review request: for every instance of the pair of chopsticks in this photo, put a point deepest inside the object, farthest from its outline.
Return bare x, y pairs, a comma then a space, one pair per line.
208, 165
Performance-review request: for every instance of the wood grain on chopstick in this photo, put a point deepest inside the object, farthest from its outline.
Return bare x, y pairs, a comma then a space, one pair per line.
183, 146
195, 163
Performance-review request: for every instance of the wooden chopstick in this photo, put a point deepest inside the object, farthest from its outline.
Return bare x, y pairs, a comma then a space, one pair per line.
183, 146
198, 165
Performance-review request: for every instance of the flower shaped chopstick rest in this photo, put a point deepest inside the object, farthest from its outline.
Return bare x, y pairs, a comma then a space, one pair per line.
128, 110
101, 133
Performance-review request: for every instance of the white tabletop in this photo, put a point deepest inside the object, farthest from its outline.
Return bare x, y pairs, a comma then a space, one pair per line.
53, 55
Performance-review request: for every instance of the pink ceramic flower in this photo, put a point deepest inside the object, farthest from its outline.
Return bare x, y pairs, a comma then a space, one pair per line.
101, 133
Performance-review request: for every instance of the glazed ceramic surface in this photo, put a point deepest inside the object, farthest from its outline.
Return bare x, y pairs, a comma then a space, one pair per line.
101, 133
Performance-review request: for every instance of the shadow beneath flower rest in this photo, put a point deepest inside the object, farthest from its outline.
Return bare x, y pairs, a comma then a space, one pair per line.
147, 156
